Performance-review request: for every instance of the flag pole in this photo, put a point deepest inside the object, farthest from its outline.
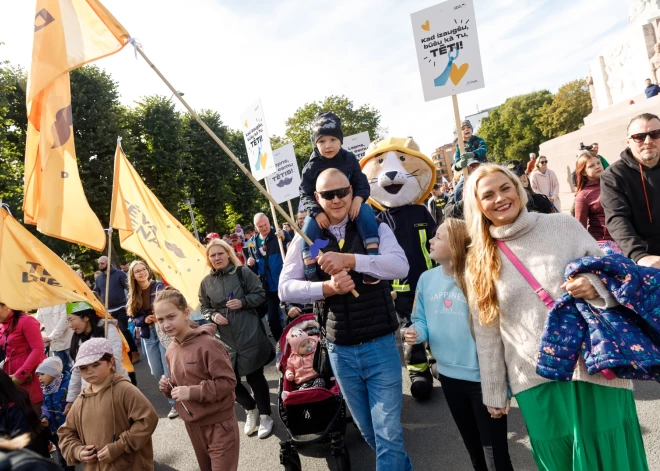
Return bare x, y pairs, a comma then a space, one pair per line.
291, 210
108, 269
277, 226
231, 155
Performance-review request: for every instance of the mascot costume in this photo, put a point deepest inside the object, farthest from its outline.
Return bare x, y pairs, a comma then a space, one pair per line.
401, 178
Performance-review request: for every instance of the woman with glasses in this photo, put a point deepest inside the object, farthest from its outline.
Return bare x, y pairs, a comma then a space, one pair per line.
142, 290
588, 209
545, 182
230, 295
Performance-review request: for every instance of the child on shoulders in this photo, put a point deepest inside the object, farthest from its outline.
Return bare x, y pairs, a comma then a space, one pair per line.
327, 137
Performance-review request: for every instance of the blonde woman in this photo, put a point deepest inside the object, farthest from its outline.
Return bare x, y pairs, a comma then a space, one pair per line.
142, 290
545, 182
229, 296
588, 423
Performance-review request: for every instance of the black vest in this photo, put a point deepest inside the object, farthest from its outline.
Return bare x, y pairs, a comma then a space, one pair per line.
352, 320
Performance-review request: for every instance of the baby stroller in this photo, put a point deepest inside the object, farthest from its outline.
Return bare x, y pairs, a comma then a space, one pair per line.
313, 415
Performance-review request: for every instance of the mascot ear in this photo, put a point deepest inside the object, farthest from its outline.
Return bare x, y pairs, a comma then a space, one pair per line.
411, 144
372, 146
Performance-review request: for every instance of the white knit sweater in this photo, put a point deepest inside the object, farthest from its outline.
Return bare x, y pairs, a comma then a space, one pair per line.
545, 244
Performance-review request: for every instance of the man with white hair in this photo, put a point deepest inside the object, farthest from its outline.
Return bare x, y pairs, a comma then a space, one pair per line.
265, 259
116, 300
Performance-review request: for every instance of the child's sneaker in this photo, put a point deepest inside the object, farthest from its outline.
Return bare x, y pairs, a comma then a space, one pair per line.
51, 447
266, 426
173, 413
251, 417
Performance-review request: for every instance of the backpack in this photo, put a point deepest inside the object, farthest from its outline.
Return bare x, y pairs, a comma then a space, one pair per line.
262, 309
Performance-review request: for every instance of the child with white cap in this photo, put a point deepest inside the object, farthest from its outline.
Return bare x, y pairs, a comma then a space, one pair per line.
110, 425
54, 384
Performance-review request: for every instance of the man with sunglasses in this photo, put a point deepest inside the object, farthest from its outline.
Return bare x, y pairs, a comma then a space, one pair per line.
359, 331
630, 193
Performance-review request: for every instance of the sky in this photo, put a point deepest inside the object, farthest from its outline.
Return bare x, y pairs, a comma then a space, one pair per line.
225, 54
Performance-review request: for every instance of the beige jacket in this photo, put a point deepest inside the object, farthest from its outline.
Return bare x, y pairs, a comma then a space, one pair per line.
119, 416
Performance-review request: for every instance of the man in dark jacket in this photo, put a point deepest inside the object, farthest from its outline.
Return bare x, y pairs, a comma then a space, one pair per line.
630, 193
266, 261
116, 300
360, 331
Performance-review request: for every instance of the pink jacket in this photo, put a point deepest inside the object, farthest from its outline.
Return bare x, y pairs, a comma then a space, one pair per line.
25, 350
547, 185
301, 367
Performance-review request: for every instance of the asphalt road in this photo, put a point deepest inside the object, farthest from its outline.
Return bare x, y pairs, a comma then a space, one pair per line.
431, 438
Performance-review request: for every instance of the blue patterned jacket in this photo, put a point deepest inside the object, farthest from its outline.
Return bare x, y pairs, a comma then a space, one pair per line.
54, 404
624, 339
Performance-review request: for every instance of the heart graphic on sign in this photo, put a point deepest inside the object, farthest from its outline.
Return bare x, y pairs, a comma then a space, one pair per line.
448, 303
264, 159
457, 73
245, 123
426, 26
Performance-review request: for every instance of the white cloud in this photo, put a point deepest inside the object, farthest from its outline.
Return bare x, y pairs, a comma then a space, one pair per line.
223, 55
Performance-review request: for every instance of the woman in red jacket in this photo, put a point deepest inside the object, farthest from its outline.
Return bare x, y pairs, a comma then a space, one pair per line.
587, 201
22, 347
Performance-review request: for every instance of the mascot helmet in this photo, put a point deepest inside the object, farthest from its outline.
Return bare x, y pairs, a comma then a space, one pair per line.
398, 173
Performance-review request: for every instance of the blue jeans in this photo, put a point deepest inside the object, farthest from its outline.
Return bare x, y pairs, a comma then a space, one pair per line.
66, 359
369, 376
367, 227
155, 352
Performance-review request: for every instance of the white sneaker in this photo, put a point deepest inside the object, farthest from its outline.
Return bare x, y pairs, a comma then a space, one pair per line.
251, 417
173, 413
265, 426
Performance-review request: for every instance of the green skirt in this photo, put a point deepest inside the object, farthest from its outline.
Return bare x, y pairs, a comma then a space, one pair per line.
581, 426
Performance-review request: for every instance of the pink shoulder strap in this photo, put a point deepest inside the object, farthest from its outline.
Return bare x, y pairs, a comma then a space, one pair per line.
538, 289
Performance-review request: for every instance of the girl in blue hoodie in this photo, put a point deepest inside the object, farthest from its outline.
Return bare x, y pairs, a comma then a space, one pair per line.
441, 316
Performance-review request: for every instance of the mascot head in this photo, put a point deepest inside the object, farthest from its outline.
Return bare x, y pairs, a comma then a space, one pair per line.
398, 173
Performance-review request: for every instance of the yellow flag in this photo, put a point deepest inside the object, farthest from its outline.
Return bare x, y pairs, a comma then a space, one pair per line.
148, 230
67, 35
32, 275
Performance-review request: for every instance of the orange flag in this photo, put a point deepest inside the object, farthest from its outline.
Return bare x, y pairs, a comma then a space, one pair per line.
147, 229
67, 35
32, 275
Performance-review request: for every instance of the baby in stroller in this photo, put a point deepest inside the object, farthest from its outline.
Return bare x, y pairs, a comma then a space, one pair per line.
299, 369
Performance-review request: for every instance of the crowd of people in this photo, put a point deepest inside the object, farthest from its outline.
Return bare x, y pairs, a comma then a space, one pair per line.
500, 249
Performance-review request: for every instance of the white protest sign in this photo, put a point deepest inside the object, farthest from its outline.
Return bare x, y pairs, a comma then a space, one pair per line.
357, 143
285, 181
257, 142
447, 49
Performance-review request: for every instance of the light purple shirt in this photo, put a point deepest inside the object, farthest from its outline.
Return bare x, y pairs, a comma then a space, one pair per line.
390, 264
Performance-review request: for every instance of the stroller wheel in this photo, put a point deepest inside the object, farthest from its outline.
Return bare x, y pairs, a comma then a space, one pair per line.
343, 461
289, 457
340, 452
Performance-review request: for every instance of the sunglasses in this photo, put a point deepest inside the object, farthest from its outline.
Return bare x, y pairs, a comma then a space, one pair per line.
542, 162
641, 137
332, 194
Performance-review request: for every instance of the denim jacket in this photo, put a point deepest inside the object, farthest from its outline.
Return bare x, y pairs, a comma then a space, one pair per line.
138, 318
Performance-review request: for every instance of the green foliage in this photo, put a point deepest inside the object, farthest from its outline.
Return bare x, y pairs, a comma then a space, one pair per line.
567, 110
353, 121
170, 150
511, 130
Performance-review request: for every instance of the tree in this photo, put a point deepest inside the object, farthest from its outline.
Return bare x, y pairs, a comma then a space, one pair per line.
510, 131
13, 127
567, 110
353, 121
155, 148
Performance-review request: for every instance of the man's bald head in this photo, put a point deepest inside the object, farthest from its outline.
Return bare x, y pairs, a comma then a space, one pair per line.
331, 179
103, 259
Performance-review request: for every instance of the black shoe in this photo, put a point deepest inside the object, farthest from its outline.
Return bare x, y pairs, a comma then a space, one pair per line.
421, 386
